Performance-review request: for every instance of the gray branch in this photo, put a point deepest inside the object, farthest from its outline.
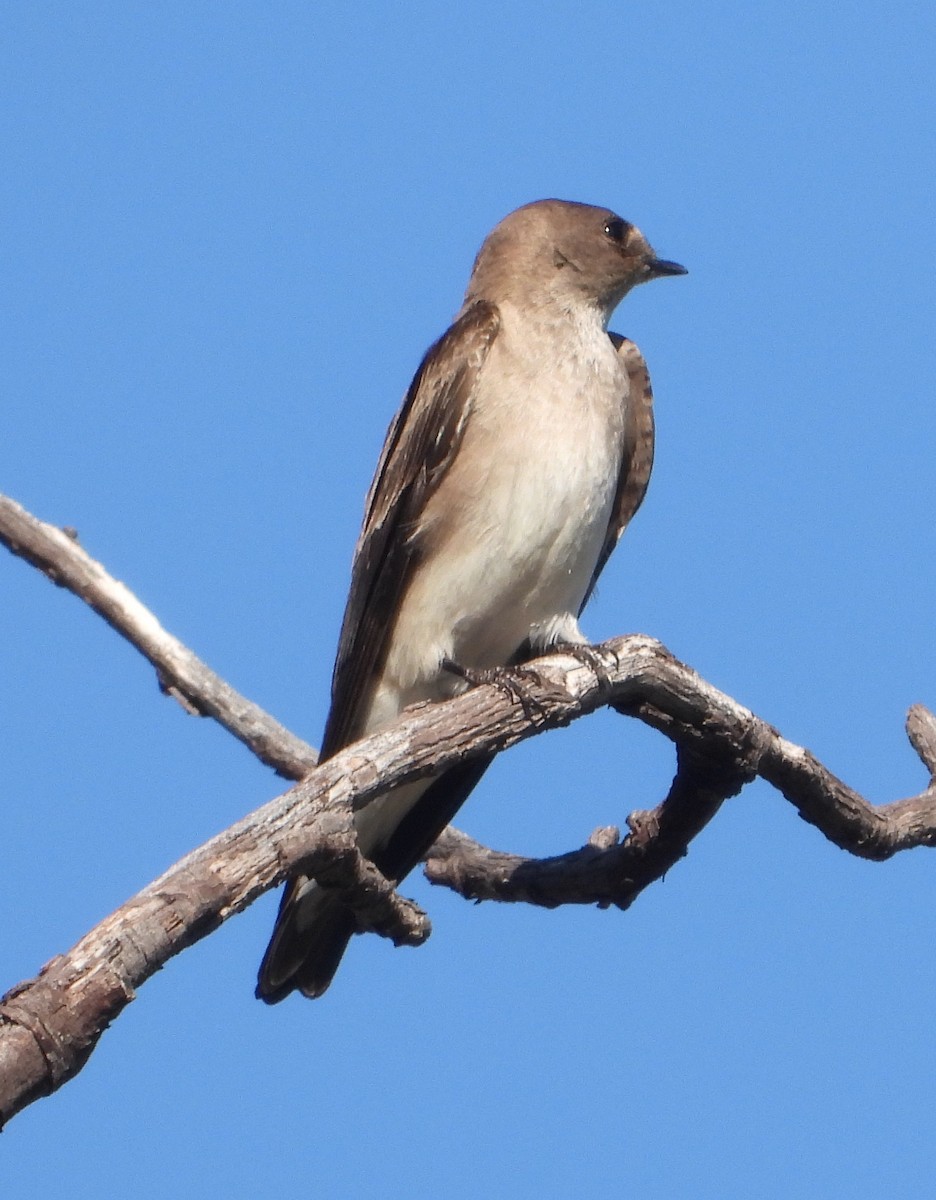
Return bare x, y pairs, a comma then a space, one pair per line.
57, 554
49, 1025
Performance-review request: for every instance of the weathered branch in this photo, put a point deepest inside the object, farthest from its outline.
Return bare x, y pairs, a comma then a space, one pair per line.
49, 1025
728, 746
606, 871
181, 674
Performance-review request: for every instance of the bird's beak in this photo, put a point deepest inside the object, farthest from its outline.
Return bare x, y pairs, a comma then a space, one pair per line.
662, 266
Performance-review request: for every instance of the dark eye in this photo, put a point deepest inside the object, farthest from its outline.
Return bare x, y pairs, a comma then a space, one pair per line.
616, 229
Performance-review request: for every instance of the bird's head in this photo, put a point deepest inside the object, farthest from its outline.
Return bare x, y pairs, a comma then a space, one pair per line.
568, 252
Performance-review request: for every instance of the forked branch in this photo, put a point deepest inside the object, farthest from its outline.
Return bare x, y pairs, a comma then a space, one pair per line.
50, 1024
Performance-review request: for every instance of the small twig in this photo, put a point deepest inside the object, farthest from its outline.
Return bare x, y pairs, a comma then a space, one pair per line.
921, 730
57, 554
338, 864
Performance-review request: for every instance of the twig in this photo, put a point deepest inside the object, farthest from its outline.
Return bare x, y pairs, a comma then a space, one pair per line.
181, 674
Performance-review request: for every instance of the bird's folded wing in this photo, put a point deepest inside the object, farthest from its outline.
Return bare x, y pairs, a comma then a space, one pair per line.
637, 459
421, 444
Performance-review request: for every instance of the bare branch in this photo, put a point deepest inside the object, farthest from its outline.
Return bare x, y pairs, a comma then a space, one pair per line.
181, 674
605, 871
49, 1025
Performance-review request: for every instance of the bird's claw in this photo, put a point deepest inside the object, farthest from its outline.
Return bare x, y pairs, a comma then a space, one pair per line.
508, 680
589, 657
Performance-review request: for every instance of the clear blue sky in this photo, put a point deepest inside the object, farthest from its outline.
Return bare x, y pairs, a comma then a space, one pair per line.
228, 234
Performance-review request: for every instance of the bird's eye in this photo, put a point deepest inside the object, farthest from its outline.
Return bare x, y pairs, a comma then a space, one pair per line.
616, 229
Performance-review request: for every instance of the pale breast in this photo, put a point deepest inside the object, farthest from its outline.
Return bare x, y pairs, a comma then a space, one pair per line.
512, 535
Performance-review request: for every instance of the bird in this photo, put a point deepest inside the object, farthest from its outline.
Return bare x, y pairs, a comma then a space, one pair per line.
522, 449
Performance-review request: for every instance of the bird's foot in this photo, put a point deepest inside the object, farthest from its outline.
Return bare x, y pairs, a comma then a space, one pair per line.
588, 656
509, 680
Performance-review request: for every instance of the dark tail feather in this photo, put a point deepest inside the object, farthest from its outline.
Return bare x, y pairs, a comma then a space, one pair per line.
434, 809
307, 957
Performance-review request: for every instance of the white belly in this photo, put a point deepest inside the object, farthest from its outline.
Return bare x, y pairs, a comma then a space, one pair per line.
514, 531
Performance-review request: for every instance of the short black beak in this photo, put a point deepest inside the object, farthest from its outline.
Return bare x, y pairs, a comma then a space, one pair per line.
662, 266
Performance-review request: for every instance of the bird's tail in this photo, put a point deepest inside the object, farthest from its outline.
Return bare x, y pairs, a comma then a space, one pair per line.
312, 933
314, 927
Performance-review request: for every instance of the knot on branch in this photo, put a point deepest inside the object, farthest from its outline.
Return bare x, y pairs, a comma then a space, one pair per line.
58, 1056
338, 864
62, 1034
188, 704
724, 759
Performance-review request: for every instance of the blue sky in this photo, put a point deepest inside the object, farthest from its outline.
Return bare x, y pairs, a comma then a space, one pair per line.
229, 233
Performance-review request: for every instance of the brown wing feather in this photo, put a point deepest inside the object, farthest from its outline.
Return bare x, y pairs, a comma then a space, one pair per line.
637, 460
420, 445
